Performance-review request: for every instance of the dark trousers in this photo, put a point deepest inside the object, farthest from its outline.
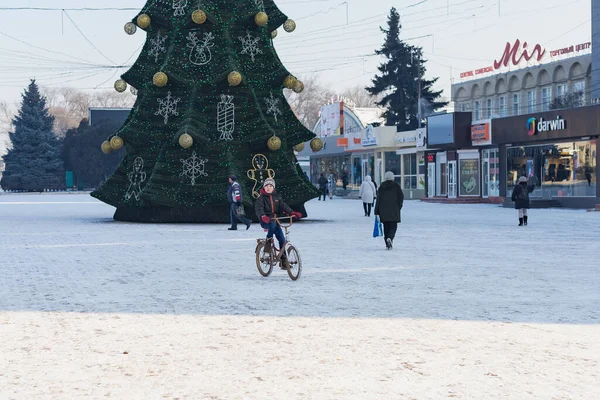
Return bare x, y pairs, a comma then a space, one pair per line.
234, 216
367, 208
323, 192
273, 228
389, 230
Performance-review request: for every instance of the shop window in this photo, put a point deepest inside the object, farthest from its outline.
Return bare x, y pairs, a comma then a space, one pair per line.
556, 170
410, 171
392, 163
546, 97
515, 104
502, 106
531, 106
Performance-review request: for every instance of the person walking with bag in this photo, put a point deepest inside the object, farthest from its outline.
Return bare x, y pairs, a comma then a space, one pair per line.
236, 209
367, 193
390, 199
520, 196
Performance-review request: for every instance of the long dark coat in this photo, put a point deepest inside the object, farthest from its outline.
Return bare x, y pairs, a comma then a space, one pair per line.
520, 195
390, 199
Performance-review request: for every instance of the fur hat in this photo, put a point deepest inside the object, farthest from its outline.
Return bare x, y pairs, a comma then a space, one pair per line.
389, 176
269, 181
522, 180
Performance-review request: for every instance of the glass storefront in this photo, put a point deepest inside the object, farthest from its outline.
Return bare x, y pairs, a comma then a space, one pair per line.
336, 165
392, 163
490, 173
556, 170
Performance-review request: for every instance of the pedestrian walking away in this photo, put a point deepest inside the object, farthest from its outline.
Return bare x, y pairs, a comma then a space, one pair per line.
236, 208
390, 200
520, 196
367, 193
322, 187
268, 206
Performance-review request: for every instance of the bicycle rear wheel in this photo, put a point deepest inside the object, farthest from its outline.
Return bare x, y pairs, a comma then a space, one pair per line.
264, 260
295, 261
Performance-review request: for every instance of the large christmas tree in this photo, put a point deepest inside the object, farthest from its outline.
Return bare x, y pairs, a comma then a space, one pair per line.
210, 104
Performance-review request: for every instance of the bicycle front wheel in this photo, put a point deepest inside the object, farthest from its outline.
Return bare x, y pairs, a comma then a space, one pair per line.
264, 259
295, 261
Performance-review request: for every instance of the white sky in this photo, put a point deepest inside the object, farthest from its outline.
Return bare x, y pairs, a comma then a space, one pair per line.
472, 35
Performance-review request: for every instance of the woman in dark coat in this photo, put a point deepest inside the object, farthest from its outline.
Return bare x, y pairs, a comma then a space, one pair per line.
520, 196
390, 199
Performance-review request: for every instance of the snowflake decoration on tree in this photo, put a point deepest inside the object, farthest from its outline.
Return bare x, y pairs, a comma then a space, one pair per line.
168, 107
157, 46
193, 167
179, 7
272, 106
250, 45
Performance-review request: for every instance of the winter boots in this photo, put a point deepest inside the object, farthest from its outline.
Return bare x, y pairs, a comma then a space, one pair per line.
525, 220
268, 245
389, 244
520, 221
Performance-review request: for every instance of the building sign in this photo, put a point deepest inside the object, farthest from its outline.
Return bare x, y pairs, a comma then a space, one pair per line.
518, 52
469, 178
481, 134
400, 138
538, 126
330, 119
431, 158
421, 139
342, 142
370, 139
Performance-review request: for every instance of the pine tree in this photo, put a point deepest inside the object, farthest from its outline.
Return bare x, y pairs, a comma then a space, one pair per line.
401, 76
210, 104
34, 162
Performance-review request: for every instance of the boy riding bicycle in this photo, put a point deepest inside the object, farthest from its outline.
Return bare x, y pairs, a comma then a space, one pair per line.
268, 206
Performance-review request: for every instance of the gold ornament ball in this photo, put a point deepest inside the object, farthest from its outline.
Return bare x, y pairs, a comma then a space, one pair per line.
298, 87
261, 19
106, 148
186, 141
316, 144
116, 143
120, 86
289, 81
289, 25
274, 143
299, 147
274, 34
199, 17
160, 79
143, 21
130, 28
234, 78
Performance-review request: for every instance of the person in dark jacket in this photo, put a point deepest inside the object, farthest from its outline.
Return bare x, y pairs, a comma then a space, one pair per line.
270, 205
322, 187
390, 199
234, 195
520, 196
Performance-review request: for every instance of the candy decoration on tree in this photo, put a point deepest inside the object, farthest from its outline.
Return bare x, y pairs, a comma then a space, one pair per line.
130, 28
136, 178
179, 7
193, 167
199, 17
160, 79
226, 117
186, 141
106, 148
116, 143
289, 82
234, 78
289, 25
259, 172
120, 86
274, 143
261, 19
316, 144
144, 21
298, 87
274, 34
299, 147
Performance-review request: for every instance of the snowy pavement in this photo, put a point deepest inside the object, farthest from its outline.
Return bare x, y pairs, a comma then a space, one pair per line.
467, 305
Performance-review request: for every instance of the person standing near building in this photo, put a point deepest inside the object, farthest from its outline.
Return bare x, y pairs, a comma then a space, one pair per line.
234, 195
520, 196
322, 187
367, 194
390, 200
331, 185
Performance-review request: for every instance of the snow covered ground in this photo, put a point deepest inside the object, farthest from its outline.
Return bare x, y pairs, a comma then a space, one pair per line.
467, 306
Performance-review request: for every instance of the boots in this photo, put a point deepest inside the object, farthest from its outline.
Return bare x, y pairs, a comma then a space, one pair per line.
285, 264
268, 245
525, 220
520, 221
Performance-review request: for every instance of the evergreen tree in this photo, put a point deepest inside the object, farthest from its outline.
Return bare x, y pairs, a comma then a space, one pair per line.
210, 104
34, 162
401, 76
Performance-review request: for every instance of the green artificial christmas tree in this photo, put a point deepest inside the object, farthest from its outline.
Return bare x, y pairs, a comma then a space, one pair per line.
210, 104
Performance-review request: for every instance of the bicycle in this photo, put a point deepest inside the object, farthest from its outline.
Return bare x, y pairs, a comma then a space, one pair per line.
266, 261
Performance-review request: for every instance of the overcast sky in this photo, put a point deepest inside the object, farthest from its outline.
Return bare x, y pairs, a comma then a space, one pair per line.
464, 35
